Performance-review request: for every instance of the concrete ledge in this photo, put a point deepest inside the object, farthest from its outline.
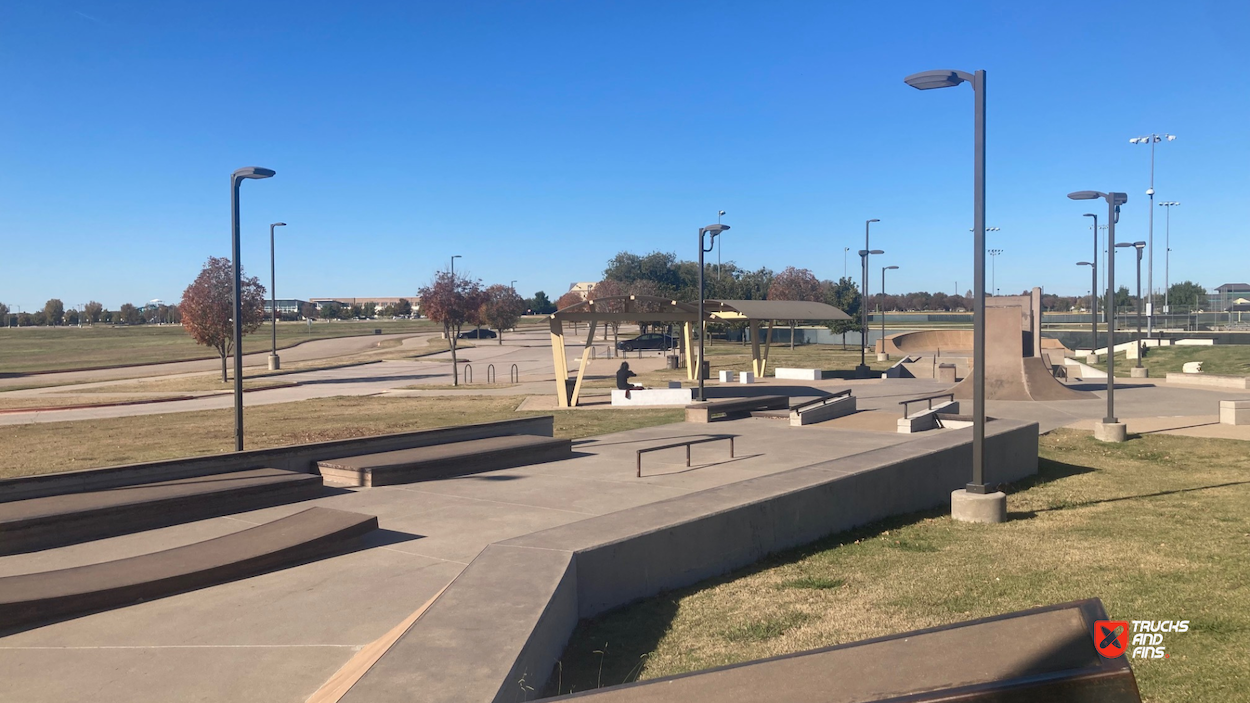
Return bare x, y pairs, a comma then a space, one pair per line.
1139, 372
654, 396
819, 412
1206, 379
984, 661
799, 374
1235, 412
445, 460
33, 598
705, 412
927, 419
54, 521
298, 457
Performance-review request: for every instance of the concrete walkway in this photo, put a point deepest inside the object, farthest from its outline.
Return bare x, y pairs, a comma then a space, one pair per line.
279, 636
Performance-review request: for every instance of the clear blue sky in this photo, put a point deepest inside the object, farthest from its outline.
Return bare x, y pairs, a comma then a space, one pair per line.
537, 139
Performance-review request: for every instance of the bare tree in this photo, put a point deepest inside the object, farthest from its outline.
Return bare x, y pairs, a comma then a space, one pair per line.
795, 284
208, 305
451, 300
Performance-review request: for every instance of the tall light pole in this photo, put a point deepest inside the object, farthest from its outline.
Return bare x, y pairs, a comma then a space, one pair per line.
1093, 296
994, 269
929, 80
1150, 268
862, 370
236, 180
845, 251
1112, 430
1167, 253
1094, 291
512, 286
274, 362
1138, 246
453, 266
713, 230
881, 307
719, 214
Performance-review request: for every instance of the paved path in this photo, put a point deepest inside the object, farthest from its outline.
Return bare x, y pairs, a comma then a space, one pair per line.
276, 638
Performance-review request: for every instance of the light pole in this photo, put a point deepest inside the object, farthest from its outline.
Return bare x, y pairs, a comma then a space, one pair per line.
862, 370
719, 214
236, 180
453, 267
1167, 253
512, 286
929, 80
845, 251
1138, 246
713, 230
274, 362
1094, 291
881, 307
1111, 430
994, 269
1093, 296
1150, 261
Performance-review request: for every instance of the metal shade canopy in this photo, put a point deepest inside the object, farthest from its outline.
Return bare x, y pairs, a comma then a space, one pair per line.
943, 78
254, 172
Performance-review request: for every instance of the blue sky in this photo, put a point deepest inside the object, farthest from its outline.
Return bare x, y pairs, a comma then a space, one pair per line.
537, 139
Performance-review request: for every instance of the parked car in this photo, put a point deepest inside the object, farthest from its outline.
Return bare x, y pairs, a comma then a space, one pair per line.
482, 333
651, 340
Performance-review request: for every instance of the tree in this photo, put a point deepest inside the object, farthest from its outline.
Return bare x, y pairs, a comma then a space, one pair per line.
1187, 295
451, 300
329, 310
92, 311
503, 308
71, 317
540, 304
1122, 299
403, 308
308, 310
609, 288
370, 310
53, 311
4, 314
127, 314
794, 284
844, 295
566, 300
208, 307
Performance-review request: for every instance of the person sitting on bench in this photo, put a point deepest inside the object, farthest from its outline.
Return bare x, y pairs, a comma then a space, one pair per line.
623, 375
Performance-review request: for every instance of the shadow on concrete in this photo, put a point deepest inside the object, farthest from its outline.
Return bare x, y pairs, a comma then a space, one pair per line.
699, 467
648, 440
369, 379
483, 478
754, 391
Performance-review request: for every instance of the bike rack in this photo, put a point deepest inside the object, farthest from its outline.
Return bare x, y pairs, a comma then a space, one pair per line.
490, 373
468, 373
514, 374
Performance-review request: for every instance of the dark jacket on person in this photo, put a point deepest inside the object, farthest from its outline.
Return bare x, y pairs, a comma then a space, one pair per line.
622, 379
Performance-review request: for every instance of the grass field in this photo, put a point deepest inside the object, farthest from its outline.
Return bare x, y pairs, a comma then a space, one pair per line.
1219, 359
64, 446
1158, 528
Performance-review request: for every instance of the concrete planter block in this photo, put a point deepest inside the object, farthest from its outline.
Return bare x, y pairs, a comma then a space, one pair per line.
726, 376
1110, 431
746, 377
654, 396
799, 374
1139, 372
1235, 412
978, 507
882, 356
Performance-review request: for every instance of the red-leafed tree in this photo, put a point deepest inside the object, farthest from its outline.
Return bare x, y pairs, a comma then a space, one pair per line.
570, 298
452, 301
503, 308
795, 284
609, 288
207, 307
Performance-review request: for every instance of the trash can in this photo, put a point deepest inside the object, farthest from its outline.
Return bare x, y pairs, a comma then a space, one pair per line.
376, 331
707, 365
673, 362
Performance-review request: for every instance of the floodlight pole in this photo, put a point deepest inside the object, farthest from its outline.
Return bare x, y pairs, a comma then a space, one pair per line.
236, 180
714, 230
1093, 292
862, 369
881, 307
274, 362
978, 275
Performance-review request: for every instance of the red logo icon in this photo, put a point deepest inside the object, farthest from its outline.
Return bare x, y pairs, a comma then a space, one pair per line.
1110, 637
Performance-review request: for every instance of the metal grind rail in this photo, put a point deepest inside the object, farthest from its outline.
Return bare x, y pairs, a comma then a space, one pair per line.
929, 398
687, 444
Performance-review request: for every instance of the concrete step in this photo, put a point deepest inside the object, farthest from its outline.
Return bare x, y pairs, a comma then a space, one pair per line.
54, 521
444, 460
31, 599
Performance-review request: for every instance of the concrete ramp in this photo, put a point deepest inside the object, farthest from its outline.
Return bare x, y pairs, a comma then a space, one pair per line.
1009, 374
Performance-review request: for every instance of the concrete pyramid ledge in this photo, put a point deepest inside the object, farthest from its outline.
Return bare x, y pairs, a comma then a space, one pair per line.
30, 599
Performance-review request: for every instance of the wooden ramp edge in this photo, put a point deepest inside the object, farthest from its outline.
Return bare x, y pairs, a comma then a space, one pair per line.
348, 674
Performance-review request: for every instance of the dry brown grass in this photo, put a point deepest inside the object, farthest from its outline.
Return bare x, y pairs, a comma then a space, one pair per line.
1156, 528
64, 446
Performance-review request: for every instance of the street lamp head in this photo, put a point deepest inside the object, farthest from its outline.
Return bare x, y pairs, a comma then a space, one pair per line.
715, 229
278, 224
1084, 263
1150, 191
253, 172
1085, 195
890, 268
944, 78
865, 252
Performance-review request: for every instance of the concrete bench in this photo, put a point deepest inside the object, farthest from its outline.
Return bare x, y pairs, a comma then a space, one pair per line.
1235, 412
799, 374
706, 412
29, 599
1206, 379
653, 396
54, 521
444, 460
822, 409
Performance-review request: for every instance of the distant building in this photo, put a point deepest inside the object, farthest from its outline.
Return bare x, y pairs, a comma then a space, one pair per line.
286, 306
1224, 298
582, 289
379, 302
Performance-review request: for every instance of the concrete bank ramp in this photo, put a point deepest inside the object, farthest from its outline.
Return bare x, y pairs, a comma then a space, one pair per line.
58, 520
444, 460
31, 599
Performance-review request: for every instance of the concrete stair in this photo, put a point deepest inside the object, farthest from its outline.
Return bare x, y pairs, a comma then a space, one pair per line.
32, 599
54, 521
444, 460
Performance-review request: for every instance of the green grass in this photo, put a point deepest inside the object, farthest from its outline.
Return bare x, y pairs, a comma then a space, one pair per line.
64, 446
1218, 359
1167, 517
26, 350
